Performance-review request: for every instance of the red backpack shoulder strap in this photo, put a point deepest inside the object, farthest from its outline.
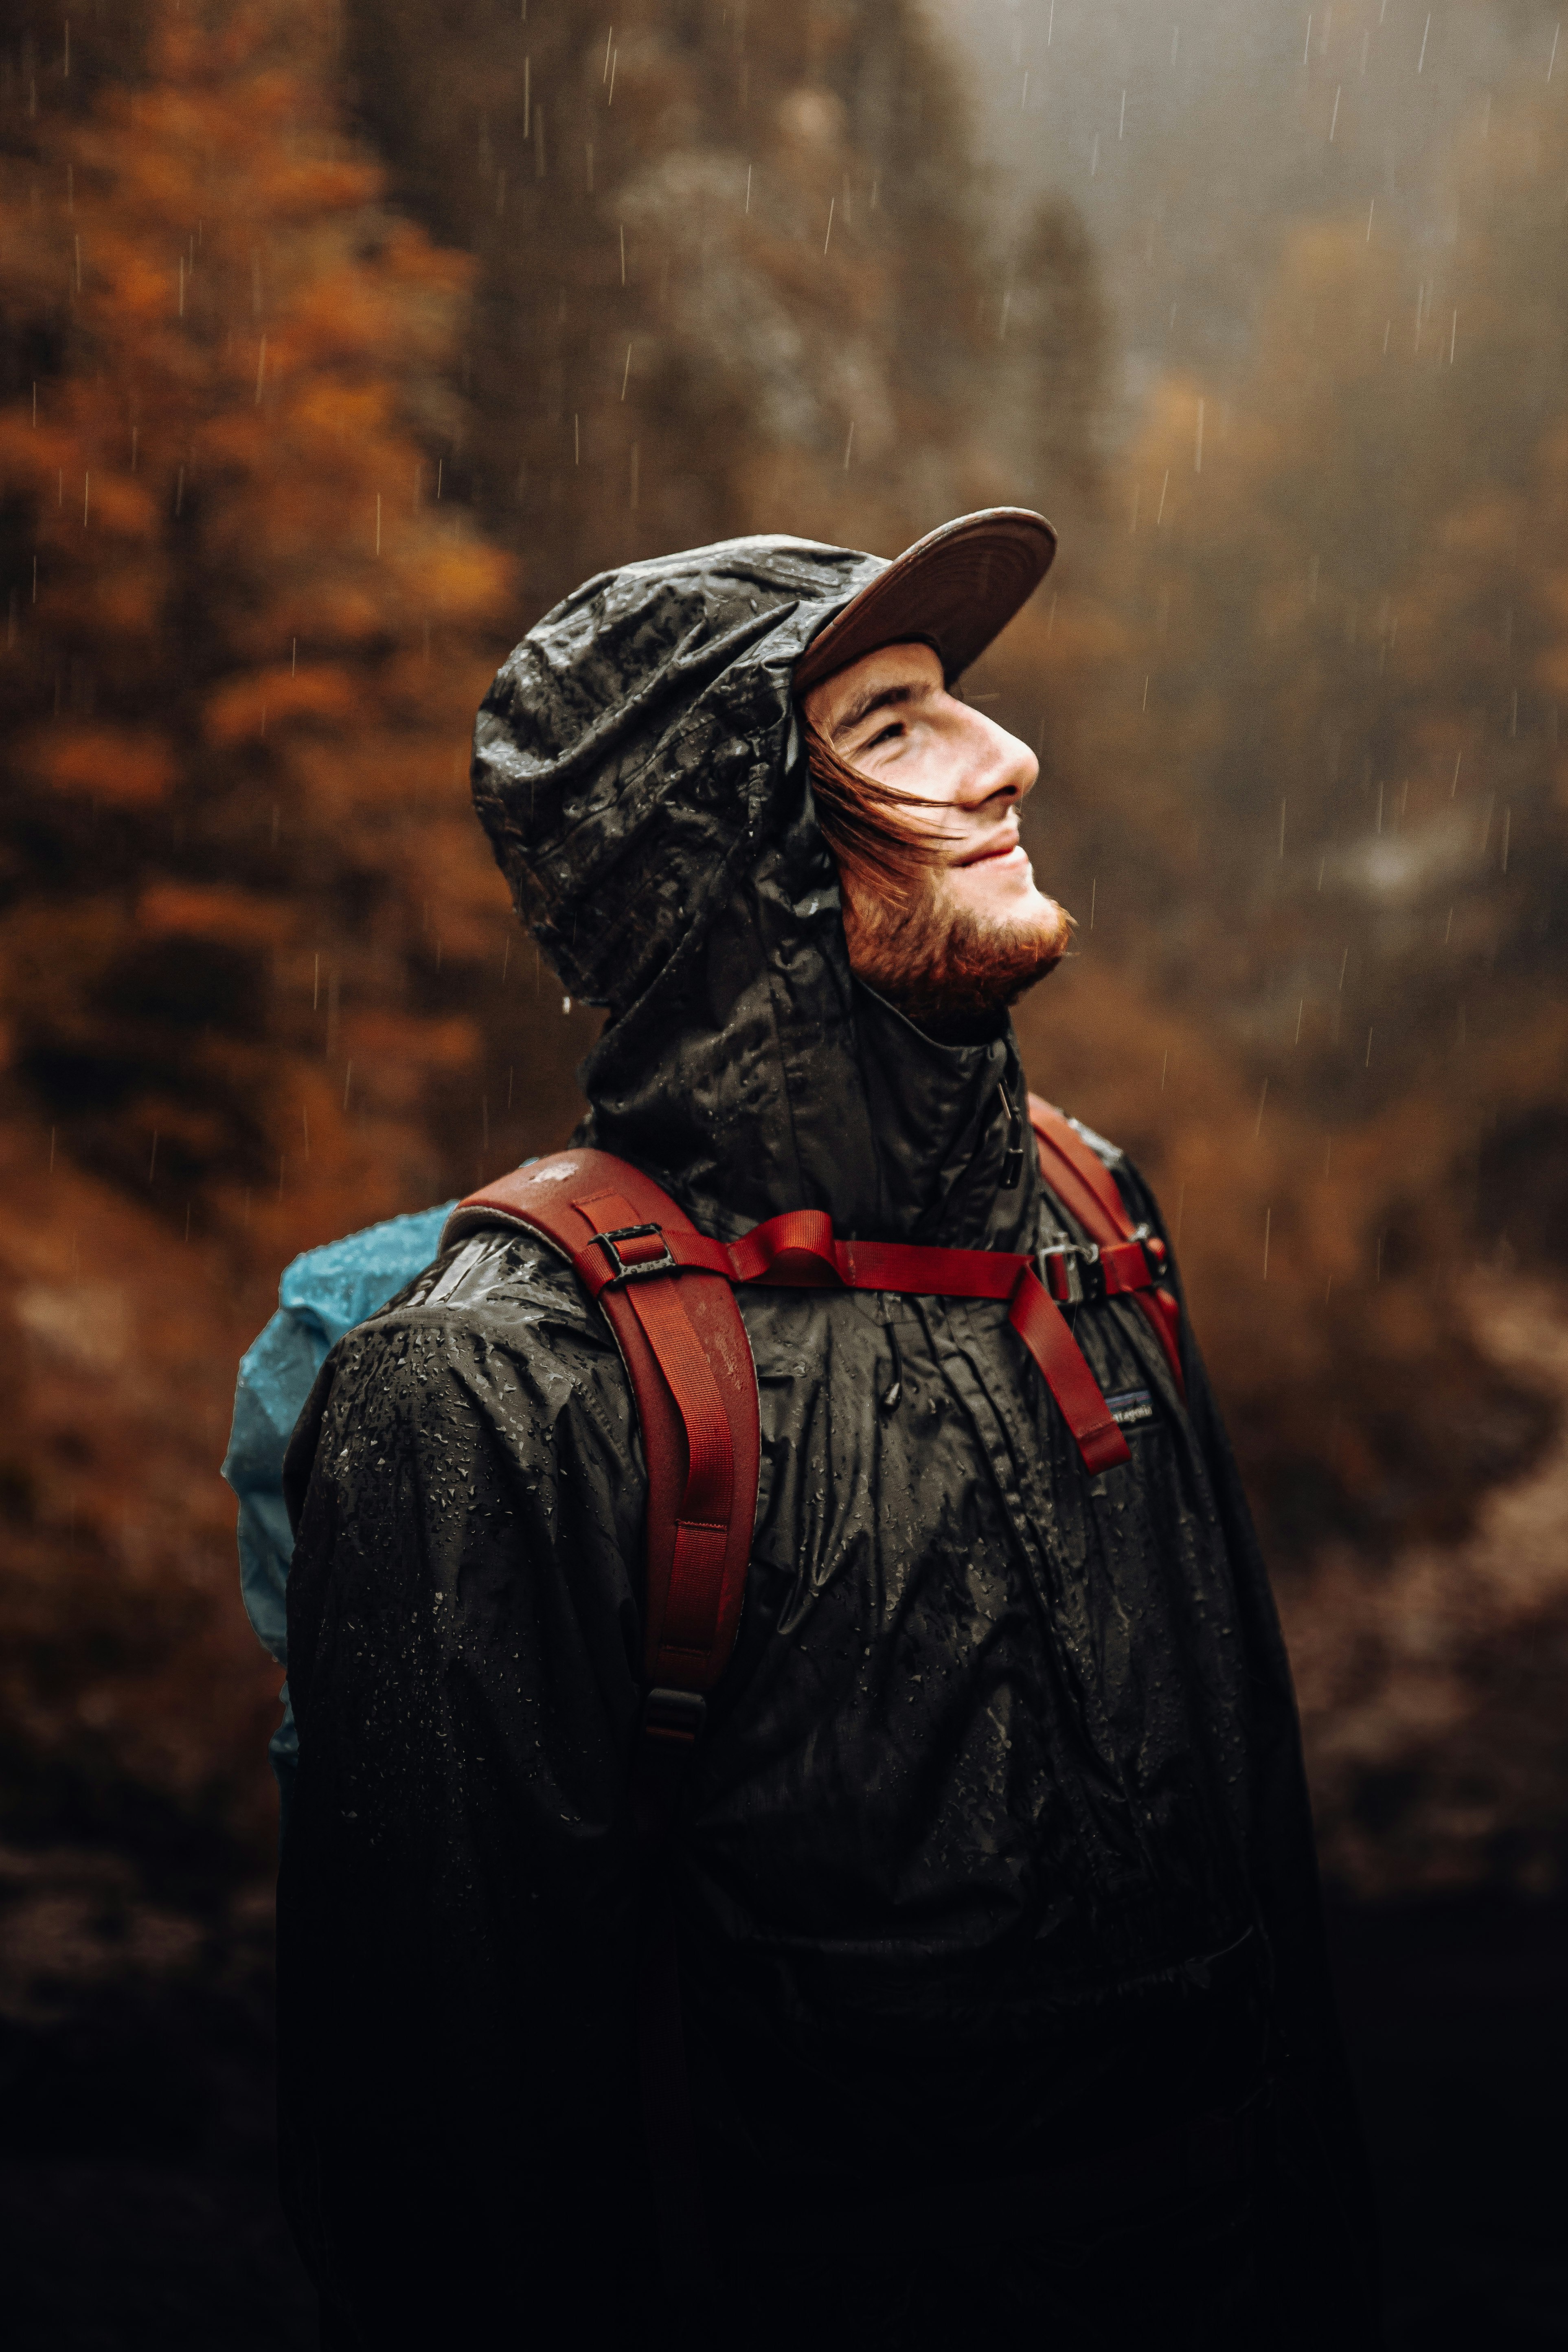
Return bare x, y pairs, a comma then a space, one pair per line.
695, 1386
1081, 1181
689, 1363
1078, 1174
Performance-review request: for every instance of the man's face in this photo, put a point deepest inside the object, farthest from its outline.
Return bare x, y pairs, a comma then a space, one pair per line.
976, 931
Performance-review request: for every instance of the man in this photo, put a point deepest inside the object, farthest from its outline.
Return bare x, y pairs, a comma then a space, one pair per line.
1003, 1982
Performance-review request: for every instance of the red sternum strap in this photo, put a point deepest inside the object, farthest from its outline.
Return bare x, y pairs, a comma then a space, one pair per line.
799, 1251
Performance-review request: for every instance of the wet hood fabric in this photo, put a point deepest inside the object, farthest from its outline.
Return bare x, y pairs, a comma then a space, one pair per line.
997, 1848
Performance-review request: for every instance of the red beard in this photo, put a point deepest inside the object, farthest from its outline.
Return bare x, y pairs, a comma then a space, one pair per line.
948, 970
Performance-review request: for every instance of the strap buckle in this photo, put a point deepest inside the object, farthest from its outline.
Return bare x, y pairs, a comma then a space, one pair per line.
676, 1715
1082, 1278
638, 1269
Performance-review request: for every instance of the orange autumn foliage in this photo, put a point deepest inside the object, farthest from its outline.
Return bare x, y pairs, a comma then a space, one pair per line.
246, 901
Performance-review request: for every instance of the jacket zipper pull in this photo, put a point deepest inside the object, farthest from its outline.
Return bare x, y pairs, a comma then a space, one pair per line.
1013, 1159
891, 1398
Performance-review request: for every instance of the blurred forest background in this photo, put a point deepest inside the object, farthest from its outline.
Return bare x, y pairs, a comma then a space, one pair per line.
336, 342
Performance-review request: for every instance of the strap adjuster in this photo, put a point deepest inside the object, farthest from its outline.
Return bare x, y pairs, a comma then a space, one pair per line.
638, 1269
676, 1715
1081, 1276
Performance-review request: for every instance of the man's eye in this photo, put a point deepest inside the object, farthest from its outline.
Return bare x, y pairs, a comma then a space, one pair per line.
889, 735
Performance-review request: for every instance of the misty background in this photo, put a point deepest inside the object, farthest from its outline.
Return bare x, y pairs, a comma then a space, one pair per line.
336, 342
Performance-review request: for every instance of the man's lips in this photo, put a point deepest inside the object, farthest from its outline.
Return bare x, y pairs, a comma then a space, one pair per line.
1009, 848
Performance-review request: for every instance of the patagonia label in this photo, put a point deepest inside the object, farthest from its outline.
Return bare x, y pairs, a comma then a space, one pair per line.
1133, 1409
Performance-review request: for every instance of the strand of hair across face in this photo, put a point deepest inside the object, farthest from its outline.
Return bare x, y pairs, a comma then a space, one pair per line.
861, 819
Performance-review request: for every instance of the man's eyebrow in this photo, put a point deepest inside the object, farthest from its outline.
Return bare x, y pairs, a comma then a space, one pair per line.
876, 697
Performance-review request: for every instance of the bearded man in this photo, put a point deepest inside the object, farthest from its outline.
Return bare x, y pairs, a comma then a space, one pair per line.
1003, 1982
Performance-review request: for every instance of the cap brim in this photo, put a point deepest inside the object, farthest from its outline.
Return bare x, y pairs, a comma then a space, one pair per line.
956, 589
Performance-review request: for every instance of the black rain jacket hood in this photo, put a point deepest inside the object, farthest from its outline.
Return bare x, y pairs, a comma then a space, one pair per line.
640, 770
997, 1850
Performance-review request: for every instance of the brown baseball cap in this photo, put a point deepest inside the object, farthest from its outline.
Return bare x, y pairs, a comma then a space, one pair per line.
955, 589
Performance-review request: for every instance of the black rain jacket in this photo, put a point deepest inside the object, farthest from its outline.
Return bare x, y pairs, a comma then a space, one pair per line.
997, 1856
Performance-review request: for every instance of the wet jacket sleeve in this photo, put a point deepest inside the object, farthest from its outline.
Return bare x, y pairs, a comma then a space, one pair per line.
457, 1897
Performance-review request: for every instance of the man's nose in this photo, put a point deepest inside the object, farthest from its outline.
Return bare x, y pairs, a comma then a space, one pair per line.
1001, 767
